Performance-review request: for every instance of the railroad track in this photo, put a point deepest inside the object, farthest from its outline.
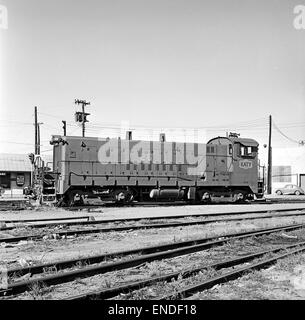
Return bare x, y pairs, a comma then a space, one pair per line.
148, 254
186, 273
232, 275
290, 212
66, 233
44, 220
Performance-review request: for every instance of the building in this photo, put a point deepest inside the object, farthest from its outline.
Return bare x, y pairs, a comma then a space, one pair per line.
288, 167
16, 173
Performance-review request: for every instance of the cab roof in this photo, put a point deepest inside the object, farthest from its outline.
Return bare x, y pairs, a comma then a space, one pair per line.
244, 141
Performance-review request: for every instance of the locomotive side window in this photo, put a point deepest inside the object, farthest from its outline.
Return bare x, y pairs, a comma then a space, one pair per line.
230, 149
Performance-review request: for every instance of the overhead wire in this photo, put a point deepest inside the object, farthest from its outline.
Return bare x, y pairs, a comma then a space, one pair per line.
259, 125
283, 134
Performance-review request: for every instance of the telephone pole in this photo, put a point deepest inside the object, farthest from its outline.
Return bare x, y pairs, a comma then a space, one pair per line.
269, 175
82, 116
36, 131
38, 138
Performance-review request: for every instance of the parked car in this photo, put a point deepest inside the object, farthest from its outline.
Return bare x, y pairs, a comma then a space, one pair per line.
290, 189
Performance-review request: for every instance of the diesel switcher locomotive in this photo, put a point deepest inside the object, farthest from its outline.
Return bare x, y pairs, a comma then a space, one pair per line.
225, 169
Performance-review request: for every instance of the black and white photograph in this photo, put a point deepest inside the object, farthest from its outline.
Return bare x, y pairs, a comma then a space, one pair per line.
152, 153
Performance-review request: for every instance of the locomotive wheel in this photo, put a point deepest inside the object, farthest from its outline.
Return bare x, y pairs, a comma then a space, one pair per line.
203, 196
123, 196
75, 197
239, 197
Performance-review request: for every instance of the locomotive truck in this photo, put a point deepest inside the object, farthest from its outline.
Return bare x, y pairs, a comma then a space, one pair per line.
225, 169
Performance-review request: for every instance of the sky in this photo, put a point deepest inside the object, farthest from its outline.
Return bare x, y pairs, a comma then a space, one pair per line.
220, 66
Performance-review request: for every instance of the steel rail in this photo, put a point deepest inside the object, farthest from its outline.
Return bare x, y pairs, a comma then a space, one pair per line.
228, 276
185, 273
215, 214
43, 220
152, 226
21, 286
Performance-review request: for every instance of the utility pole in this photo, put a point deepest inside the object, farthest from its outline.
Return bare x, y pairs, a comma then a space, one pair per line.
269, 176
38, 138
36, 133
82, 116
64, 127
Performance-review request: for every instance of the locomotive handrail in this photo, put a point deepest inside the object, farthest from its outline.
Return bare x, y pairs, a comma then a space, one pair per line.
137, 176
123, 163
124, 176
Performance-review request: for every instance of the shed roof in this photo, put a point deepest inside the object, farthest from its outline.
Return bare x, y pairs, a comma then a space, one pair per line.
19, 162
15, 162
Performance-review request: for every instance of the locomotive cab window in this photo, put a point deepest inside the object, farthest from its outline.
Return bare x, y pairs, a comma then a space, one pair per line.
247, 151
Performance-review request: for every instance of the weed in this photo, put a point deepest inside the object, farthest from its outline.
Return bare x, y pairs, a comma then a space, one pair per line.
108, 283
79, 281
38, 290
82, 263
51, 269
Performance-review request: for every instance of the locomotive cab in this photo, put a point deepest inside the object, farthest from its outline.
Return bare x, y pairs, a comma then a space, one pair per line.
242, 164
246, 163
